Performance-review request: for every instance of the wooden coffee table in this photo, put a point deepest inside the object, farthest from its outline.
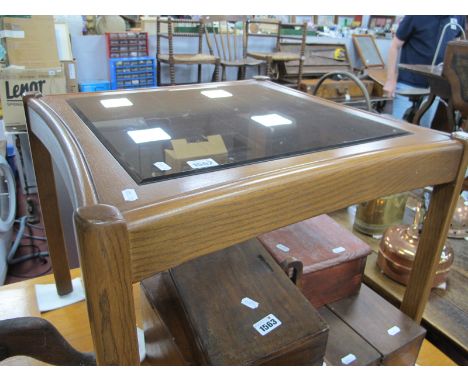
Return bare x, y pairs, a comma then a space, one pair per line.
290, 156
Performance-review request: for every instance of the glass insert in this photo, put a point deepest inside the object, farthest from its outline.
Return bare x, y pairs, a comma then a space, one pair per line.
156, 135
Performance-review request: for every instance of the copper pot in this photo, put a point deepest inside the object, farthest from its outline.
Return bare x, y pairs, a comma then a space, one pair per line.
397, 251
373, 217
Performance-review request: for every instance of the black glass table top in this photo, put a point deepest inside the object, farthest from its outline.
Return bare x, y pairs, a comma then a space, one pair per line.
157, 135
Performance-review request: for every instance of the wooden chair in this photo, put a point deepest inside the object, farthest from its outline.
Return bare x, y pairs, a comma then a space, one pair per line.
171, 58
456, 72
277, 56
39, 339
226, 43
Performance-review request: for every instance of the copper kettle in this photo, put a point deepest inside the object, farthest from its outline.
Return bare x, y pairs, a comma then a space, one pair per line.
398, 246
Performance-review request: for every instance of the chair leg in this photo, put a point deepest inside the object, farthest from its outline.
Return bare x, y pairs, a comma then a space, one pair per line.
299, 77
172, 72
223, 73
216, 71
158, 73
269, 66
199, 73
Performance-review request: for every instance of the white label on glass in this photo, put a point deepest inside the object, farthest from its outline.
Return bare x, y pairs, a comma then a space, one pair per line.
267, 324
163, 166
129, 195
282, 247
346, 360
393, 330
338, 250
249, 303
202, 163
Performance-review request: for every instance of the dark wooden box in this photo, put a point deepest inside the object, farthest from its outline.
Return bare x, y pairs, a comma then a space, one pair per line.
332, 258
206, 323
394, 335
345, 347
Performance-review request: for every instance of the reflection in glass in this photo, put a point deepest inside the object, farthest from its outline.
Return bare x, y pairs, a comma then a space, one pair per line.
270, 120
216, 93
148, 135
115, 102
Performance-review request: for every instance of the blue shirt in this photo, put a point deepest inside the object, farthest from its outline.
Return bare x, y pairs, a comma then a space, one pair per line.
421, 35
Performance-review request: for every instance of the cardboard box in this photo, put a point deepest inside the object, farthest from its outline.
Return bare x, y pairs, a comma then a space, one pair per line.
148, 24
69, 69
30, 42
183, 153
14, 82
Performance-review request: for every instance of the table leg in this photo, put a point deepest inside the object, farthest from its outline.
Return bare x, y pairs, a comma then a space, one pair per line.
50, 214
425, 107
443, 201
106, 270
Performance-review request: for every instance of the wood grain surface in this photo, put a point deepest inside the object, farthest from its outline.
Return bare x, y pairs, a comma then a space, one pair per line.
104, 258
51, 214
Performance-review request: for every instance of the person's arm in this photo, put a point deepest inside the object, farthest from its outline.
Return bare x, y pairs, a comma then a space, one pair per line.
392, 68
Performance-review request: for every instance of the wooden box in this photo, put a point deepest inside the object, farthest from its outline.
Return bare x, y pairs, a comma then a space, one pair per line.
332, 258
319, 59
393, 334
205, 307
345, 347
337, 90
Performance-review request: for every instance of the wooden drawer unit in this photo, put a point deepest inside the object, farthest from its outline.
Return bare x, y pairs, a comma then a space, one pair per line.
393, 334
332, 258
200, 303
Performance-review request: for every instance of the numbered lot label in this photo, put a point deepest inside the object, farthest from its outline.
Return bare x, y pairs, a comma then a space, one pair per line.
267, 324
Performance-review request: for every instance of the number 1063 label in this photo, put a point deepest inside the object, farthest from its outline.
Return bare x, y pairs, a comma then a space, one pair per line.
267, 324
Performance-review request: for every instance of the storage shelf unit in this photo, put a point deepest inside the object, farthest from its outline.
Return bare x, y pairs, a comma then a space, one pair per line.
129, 44
132, 72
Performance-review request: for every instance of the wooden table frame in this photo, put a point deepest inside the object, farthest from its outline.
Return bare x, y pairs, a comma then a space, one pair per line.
121, 243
